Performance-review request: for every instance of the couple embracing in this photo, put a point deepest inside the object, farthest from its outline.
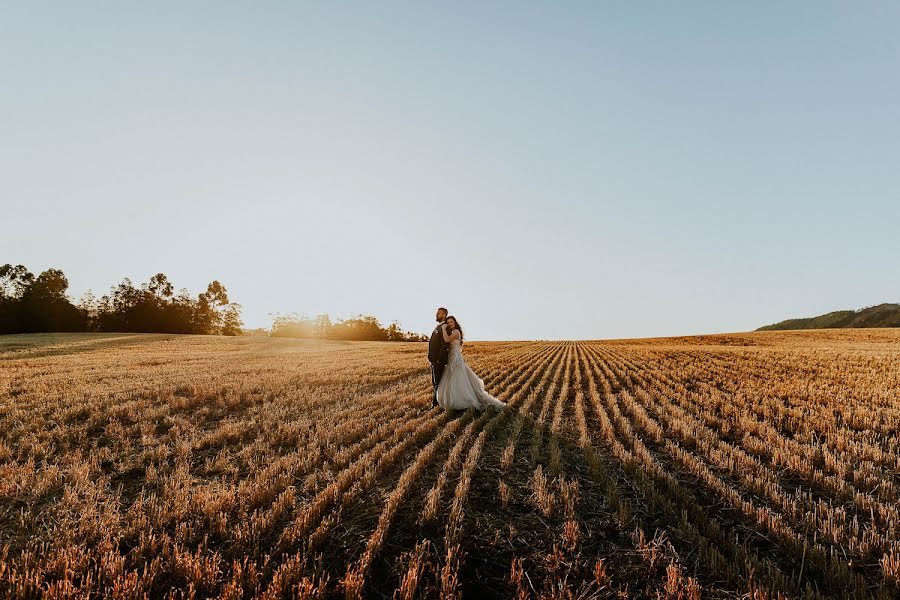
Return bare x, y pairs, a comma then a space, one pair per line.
456, 386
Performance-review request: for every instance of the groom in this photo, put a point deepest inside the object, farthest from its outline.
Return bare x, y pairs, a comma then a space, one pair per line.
437, 352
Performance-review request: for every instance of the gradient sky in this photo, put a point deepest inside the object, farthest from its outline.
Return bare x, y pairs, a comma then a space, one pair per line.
568, 170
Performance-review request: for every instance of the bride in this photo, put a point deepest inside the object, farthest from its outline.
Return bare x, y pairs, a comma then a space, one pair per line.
460, 388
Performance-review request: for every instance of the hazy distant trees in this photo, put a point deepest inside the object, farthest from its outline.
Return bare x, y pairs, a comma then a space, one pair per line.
38, 304
359, 328
30, 304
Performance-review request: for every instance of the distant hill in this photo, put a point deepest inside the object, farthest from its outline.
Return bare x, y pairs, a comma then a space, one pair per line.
883, 315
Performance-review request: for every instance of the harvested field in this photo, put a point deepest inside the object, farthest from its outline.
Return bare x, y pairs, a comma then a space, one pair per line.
757, 465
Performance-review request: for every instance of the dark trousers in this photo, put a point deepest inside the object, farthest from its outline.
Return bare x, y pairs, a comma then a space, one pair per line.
437, 371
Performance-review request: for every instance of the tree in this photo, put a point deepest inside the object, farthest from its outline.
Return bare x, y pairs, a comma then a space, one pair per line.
45, 307
323, 327
394, 333
231, 320
215, 314
89, 307
51, 284
14, 280
160, 287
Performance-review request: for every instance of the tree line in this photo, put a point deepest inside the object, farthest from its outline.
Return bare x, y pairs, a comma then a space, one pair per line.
30, 304
358, 328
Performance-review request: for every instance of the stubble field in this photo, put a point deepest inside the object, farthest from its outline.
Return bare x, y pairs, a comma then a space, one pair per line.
758, 465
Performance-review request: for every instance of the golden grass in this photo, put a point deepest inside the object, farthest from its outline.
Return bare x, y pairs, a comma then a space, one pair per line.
759, 465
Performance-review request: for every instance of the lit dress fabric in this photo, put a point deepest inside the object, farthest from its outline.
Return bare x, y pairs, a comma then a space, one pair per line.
460, 388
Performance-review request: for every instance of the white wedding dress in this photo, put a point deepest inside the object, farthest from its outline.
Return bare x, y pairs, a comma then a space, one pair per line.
460, 388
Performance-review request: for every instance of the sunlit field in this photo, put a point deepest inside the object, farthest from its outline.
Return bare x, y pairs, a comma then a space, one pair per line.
758, 465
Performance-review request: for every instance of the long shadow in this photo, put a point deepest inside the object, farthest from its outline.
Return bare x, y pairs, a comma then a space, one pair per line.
493, 535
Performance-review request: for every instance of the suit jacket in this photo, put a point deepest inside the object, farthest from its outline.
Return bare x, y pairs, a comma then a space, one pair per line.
438, 349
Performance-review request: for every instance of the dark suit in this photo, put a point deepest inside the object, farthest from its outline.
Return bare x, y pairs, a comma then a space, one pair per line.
437, 356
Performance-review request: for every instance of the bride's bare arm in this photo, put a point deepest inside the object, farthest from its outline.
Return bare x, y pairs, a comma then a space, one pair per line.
452, 336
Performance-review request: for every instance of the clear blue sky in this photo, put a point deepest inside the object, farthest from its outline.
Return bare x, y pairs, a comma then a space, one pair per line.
570, 170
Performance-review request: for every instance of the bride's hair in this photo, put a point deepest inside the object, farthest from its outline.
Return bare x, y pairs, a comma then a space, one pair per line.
456, 326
